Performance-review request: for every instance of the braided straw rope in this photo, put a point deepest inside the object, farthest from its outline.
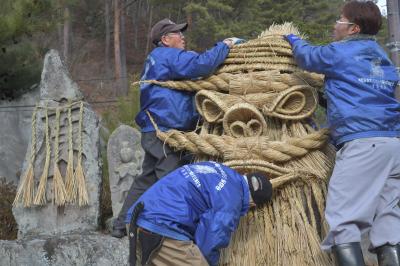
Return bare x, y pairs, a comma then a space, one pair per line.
70, 181
264, 60
265, 42
59, 191
25, 193
240, 52
217, 83
83, 198
40, 198
255, 54
257, 66
244, 83
228, 148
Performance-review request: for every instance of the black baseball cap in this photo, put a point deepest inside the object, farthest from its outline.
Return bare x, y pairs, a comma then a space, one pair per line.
260, 187
163, 27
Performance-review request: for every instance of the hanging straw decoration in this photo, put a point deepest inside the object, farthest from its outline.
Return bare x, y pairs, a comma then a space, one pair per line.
40, 198
59, 193
83, 198
70, 181
25, 193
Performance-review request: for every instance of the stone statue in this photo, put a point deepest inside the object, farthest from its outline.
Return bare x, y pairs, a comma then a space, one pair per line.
125, 156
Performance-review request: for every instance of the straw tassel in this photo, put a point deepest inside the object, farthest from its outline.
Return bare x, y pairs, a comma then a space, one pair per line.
25, 191
83, 198
40, 198
71, 185
59, 196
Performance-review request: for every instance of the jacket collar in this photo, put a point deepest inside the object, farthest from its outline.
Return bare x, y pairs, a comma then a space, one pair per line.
357, 37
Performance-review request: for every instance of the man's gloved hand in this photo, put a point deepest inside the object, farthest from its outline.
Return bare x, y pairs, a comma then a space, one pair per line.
233, 40
291, 38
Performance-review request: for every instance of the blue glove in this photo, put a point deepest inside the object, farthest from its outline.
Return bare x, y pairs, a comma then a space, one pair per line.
291, 38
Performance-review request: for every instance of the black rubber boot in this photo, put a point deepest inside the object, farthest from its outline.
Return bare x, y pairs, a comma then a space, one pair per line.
348, 254
118, 233
388, 255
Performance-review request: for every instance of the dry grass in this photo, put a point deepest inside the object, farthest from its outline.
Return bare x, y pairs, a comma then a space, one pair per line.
8, 226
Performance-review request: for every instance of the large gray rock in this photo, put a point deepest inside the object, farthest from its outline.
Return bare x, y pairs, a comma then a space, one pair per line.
65, 250
51, 219
15, 133
56, 83
125, 157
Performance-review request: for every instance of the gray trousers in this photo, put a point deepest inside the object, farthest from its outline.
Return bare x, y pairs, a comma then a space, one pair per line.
159, 160
364, 192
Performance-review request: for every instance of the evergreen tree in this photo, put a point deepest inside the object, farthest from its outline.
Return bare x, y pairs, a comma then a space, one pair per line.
20, 58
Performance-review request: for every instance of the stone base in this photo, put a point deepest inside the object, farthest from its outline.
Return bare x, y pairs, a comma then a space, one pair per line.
76, 249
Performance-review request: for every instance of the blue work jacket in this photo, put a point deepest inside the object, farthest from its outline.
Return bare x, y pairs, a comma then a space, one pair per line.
200, 202
360, 83
174, 109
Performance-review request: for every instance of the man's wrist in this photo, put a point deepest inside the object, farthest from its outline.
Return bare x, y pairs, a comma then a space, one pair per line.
292, 38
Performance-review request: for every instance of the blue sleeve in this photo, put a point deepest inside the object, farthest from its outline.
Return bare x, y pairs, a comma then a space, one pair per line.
319, 59
189, 65
214, 232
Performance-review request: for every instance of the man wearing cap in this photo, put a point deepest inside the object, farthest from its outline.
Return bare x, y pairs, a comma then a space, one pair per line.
170, 109
190, 214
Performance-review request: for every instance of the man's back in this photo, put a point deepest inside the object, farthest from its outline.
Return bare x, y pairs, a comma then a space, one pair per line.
174, 108
201, 202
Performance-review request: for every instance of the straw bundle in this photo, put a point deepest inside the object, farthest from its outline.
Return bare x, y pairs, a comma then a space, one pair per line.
263, 59
40, 198
244, 120
259, 51
261, 148
213, 105
59, 193
215, 82
258, 66
236, 55
246, 83
25, 193
295, 103
83, 198
256, 82
71, 185
276, 41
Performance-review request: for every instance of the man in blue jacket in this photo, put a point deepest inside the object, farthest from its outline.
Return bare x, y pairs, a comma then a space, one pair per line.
171, 109
190, 214
364, 118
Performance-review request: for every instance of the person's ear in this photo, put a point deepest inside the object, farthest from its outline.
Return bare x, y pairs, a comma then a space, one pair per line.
355, 29
165, 40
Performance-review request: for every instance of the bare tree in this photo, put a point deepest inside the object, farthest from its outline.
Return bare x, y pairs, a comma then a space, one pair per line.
150, 24
124, 75
67, 34
117, 45
107, 19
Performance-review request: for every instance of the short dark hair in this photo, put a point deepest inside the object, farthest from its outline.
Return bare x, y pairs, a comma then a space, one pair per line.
365, 14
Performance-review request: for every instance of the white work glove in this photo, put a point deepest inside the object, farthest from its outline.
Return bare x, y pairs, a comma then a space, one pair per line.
233, 40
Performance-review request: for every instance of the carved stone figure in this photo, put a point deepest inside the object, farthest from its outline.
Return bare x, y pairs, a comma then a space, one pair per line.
125, 156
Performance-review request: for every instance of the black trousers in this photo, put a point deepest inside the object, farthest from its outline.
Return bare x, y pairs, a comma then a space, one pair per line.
159, 160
